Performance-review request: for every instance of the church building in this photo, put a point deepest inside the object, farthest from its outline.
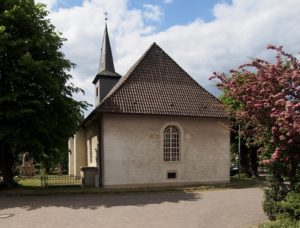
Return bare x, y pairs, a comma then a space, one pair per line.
154, 126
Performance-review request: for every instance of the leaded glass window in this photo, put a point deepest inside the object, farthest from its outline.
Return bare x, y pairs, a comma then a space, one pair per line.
171, 143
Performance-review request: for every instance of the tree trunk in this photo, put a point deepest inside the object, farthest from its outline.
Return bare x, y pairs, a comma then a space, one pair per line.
254, 161
292, 173
7, 166
245, 168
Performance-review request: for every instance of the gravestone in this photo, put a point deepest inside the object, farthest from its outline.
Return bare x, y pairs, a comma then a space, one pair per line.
27, 167
59, 170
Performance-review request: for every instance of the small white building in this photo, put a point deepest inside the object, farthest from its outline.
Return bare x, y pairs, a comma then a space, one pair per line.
155, 126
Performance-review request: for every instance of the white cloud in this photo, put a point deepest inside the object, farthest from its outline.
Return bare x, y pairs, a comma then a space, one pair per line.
49, 3
168, 1
152, 12
239, 31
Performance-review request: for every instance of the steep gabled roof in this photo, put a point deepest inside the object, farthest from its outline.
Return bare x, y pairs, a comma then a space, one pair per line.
156, 84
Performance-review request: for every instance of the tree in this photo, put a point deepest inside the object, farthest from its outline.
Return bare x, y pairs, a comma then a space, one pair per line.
37, 111
248, 157
269, 109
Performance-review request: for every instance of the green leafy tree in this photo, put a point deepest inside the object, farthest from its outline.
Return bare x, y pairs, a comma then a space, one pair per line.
37, 111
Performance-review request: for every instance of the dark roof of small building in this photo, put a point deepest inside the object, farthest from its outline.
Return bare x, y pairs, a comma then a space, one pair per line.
156, 84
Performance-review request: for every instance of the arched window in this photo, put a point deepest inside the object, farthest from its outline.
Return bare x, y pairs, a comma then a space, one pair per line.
171, 143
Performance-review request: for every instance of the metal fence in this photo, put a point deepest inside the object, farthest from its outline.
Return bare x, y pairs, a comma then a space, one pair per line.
65, 180
48, 180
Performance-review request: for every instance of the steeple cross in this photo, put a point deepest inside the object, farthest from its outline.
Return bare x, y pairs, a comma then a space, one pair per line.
106, 15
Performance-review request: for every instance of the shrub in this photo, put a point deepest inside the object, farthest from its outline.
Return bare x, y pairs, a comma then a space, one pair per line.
278, 206
284, 223
273, 197
290, 208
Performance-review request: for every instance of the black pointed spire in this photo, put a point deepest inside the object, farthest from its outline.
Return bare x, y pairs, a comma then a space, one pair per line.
106, 66
106, 77
106, 60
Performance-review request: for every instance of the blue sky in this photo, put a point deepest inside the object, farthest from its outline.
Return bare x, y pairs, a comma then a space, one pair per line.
67, 3
176, 12
180, 12
202, 36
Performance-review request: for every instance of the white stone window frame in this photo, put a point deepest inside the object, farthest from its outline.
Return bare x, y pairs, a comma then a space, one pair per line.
181, 136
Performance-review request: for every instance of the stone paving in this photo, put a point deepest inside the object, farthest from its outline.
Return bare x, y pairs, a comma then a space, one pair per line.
234, 208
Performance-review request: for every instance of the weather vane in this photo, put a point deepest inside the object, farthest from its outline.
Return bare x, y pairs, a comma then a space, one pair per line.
106, 15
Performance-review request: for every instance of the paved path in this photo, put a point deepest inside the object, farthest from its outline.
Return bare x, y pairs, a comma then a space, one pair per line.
222, 208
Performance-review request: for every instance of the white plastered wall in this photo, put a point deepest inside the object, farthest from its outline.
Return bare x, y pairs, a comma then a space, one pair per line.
83, 149
92, 145
80, 158
133, 150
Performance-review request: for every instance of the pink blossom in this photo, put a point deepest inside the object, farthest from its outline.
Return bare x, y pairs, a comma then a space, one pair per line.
257, 105
280, 102
288, 104
268, 98
282, 138
295, 76
276, 154
277, 95
267, 162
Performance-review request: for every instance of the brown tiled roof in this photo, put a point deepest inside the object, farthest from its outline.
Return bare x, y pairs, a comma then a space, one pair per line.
156, 84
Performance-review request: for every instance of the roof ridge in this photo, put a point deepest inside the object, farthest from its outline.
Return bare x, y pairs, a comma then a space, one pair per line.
127, 75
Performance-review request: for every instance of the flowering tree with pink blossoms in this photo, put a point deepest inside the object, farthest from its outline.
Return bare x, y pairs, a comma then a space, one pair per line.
267, 106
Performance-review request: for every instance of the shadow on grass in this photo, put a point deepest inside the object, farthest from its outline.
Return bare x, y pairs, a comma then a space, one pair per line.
238, 183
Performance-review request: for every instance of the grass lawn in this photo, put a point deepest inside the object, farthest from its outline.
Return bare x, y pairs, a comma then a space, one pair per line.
30, 182
285, 223
32, 186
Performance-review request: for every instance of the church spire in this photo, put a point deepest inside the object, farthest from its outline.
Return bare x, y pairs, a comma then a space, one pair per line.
106, 66
106, 76
106, 60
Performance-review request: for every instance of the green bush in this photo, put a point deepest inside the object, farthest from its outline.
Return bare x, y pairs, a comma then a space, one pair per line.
276, 206
284, 223
273, 197
290, 208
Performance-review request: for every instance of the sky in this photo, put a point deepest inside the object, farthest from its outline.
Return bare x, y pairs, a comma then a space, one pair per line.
202, 36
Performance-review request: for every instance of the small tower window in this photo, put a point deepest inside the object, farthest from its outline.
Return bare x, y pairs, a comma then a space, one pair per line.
171, 144
97, 91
